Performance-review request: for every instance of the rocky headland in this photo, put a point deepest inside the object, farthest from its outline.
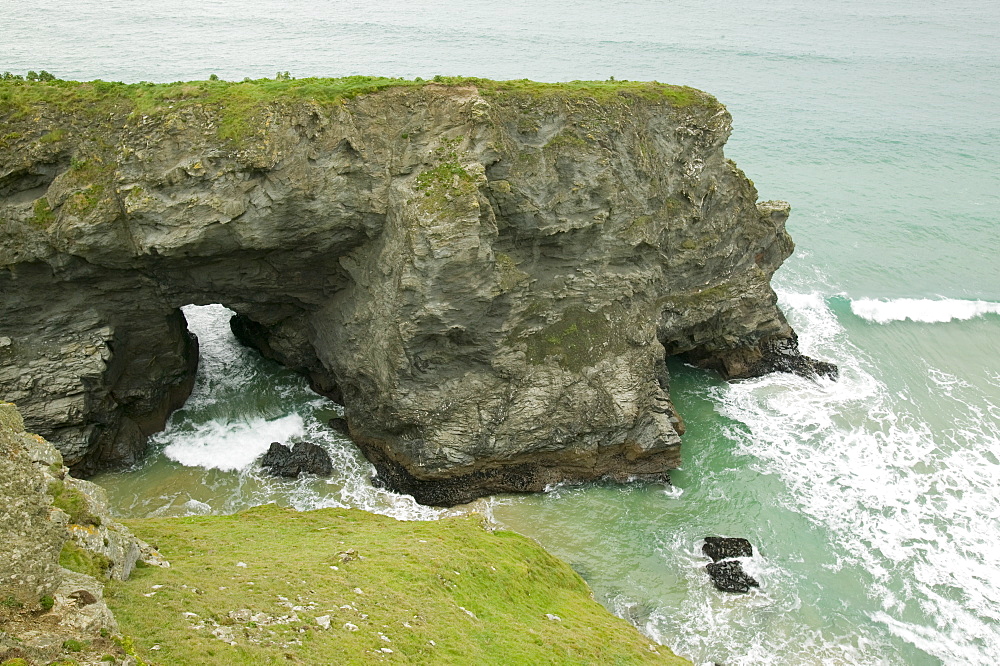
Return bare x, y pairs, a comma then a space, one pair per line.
488, 275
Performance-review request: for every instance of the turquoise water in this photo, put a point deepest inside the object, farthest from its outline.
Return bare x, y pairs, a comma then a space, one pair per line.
872, 500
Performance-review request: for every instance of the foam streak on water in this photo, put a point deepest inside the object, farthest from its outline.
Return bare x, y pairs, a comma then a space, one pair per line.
911, 506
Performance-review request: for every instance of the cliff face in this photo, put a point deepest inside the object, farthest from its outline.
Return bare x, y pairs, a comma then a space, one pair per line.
488, 275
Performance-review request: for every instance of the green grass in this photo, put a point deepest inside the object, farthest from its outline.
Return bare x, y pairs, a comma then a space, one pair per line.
445, 592
73, 502
77, 559
240, 105
600, 91
41, 214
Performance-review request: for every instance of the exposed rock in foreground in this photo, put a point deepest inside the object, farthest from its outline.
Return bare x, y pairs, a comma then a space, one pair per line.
489, 275
59, 545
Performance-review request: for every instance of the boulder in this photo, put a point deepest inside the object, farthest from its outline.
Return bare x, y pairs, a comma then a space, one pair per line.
729, 576
302, 458
725, 570
725, 548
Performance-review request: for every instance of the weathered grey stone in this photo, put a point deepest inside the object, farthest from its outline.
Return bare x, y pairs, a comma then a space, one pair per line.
33, 533
489, 279
79, 604
46, 603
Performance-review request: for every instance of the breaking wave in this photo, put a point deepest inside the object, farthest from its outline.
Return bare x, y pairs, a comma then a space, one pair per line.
927, 310
908, 501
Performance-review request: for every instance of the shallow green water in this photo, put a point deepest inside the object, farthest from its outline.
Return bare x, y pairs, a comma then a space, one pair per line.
872, 500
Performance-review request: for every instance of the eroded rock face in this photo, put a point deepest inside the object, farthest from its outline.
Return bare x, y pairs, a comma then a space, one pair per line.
489, 279
34, 534
49, 519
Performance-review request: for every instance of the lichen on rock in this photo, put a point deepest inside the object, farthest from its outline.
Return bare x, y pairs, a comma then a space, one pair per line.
60, 546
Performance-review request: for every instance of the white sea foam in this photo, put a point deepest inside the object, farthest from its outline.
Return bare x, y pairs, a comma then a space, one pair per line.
238, 407
231, 446
925, 310
910, 506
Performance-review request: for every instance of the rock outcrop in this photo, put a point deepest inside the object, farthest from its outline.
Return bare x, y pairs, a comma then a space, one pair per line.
726, 570
488, 275
60, 545
729, 576
300, 458
726, 548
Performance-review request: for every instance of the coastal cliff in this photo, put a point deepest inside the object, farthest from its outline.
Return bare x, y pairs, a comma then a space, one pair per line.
488, 275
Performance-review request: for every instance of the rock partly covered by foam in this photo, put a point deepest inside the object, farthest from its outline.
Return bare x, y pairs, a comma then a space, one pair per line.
729, 576
726, 571
724, 548
489, 275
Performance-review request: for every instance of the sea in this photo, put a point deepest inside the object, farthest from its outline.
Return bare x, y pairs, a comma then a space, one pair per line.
873, 502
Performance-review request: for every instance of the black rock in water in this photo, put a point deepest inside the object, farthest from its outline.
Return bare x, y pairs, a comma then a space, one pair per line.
724, 548
278, 461
303, 458
313, 459
729, 576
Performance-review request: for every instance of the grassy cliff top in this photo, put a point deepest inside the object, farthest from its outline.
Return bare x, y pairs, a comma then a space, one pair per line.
21, 98
343, 586
332, 89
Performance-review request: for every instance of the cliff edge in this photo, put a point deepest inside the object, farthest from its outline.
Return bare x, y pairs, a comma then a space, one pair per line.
488, 275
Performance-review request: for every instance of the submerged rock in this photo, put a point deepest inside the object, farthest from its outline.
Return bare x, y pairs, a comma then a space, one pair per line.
729, 576
302, 458
488, 275
724, 548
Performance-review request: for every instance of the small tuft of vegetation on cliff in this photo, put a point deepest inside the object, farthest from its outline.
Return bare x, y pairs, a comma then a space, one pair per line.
73, 502
272, 585
77, 559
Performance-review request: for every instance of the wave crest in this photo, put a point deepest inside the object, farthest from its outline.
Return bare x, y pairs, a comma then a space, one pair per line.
926, 310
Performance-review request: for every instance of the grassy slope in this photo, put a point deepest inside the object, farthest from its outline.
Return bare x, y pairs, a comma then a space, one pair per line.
441, 592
